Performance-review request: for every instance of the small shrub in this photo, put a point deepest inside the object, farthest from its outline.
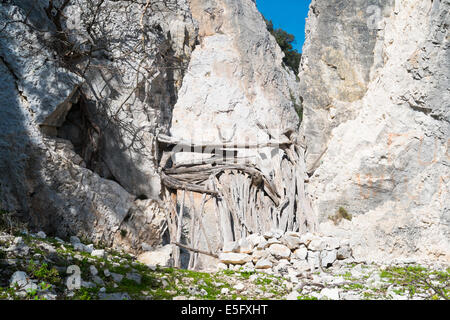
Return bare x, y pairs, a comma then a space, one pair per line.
285, 40
340, 214
43, 272
298, 107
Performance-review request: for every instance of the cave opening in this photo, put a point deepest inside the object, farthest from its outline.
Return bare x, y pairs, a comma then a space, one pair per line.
85, 136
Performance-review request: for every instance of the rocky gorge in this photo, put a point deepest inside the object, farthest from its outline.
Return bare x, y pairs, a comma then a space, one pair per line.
171, 135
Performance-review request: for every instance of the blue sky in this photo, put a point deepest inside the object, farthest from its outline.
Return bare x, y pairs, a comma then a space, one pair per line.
288, 15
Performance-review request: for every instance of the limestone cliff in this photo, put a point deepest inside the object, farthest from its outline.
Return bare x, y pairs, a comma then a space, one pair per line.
85, 86
138, 123
89, 86
375, 88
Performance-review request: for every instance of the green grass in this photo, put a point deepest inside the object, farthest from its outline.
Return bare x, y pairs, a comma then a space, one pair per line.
306, 297
418, 279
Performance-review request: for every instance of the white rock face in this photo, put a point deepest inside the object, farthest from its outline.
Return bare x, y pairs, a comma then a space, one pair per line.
227, 84
377, 126
159, 257
78, 150
137, 92
42, 176
236, 90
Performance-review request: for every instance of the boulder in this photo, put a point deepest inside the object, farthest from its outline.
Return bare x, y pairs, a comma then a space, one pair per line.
344, 253
136, 277
159, 257
279, 251
222, 266
116, 277
239, 287
114, 296
225, 291
41, 234
263, 264
230, 246
277, 233
328, 257
301, 266
301, 253
249, 266
234, 258
259, 254
245, 246
267, 235
93, 270
273, 241
291, 242
293, 295
256, 239
22, 281
313, 259
263, 244
74, 240
307, 238
293, 234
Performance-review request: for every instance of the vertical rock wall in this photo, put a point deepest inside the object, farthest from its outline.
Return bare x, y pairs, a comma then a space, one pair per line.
101, 74
375, 84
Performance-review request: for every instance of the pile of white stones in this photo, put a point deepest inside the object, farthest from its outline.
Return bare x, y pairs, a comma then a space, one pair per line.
284, 253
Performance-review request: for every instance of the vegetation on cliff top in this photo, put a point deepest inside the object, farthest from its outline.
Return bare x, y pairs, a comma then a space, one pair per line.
285, 40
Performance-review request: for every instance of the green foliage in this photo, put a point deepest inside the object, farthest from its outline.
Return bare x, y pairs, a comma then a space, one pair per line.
417, 277
86, 294
247, 274
298, 107
263, 281
3, 220
43, 272
340, 214
44, 286
306, 297
285, 40
8, 293
228, 272
354, 286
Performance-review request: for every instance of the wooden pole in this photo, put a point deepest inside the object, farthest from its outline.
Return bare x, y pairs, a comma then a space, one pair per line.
179, 229
196, 250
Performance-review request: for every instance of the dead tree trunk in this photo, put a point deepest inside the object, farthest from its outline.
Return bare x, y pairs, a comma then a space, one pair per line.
250, 195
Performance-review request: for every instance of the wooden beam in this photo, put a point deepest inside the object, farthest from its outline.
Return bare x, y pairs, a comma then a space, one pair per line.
187, 145
196, 250
175, 184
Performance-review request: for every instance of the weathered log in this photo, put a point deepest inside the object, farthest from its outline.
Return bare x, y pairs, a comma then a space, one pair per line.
192, 233
196, 250
187, 145
179, 229
175, 184
212, 160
